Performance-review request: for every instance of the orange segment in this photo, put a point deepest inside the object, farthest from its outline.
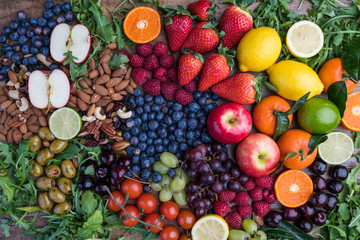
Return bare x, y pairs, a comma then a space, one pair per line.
293, 188
351, 119
142, 25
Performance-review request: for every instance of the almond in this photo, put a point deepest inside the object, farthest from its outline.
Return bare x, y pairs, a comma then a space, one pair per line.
23, 129
11, 108
105, 59
3, 98
15, 112
102, 79
42, 121
2, 129
102, 102
6, 104
2, 137
129, 89
32, 119
88, 91
3, 117
104, 52
112, 82
83, 84
27, 135
10, 137
118, 72
93, 74
91, 110
111, 90
122, 85
29, 111
88, 81
17, 136
84, 96
112, 46
101, 90
92, 64
84, 73
7, 120
73, 99
72, 105
33, 128
116, 97
82, 105
133, 83
109, 107
128, 73
73, 87
106, 68
37, 112
101, 70
95, 97
13, 77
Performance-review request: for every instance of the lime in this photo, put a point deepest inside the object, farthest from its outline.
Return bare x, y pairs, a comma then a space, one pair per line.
337, 149
318, 116
65, 123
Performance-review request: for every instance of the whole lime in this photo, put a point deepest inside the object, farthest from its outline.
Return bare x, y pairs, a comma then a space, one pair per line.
318, 116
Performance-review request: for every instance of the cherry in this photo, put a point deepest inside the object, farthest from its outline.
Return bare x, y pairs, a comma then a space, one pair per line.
319, 184
318, 167
273, 219
307, 210
319, 199
305, 225
331, 203
108, 158
335, 186
319, 218
339, 172
291, 214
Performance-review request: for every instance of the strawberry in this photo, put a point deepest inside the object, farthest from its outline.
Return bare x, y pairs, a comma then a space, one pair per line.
202, 38
189, 67
216, 68
234, 22
202, 8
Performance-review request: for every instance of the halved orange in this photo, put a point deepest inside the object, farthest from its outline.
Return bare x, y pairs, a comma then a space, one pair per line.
293, 188
142, 24
351, 119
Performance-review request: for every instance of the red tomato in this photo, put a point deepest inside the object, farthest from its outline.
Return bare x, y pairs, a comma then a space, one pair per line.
147, 202
169, 233
154, 219
119, 197
125, 219
170, 210
184, 236
134, 188
186, 219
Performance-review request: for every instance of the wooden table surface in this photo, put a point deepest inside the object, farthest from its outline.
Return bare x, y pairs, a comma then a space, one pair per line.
34, 8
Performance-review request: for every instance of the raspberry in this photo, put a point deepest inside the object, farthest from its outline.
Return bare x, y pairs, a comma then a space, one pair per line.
151, 63
136, 60
266, 193
152, 87
124, 52
191, 86
167, 61
256, 194
172, 74
233, 219
245, 211
144, 49
221, 208
261, 208
161, 74
271, 198
140, 75
250, 184
160, 48
169, 89
227, 196
266, 182
242, 198
183, 97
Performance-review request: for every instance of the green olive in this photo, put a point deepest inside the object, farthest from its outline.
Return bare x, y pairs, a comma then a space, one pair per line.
37, 169
58, 146
53, 171
45, 183
45, 202
64, 185
45, 134
35, 143
62, 208
68, 169
56, 195
44, 156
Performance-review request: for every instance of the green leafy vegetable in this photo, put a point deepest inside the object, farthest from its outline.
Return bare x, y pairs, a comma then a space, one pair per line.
6, 227
118, 60
70, 151
337, 93
357, 140
351, 59
8, 187
286, 230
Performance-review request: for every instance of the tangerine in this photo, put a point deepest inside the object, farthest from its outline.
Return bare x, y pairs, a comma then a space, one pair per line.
351, 119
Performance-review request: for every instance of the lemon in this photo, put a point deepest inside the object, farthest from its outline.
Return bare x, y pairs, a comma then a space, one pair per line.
337, 149
258, 49
304, 39
294, 79
210, 227
65, 123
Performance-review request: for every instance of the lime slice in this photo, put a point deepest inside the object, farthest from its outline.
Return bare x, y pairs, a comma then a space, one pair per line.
337, 149
65, 123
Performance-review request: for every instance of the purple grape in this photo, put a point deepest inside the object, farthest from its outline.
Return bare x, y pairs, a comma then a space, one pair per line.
207, 178
234, 185
190, 197
203, 168
195, 155
227, 165
210, 194
199, 212
192, 187
192, 173
223, 156
216, 147
235, 172
202, 148
194, 165
199, 203
216, 186
214, 164
243, 178
224, 177
208, 203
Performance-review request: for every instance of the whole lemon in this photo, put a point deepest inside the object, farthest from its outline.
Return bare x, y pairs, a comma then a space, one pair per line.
258, 49
294, 79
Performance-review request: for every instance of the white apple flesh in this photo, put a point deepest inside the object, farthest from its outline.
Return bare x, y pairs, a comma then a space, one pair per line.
66, 38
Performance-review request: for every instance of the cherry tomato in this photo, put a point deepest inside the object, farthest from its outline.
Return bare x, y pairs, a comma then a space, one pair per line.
170, 210
186, 219
169, 233
147, 202
184, 236
134, 188
125, 219
154, 219
119, 197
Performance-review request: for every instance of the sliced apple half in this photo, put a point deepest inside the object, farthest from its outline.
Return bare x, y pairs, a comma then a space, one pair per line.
66, 38
49, 89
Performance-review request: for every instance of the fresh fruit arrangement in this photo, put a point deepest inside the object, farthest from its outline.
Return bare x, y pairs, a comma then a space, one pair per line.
120, 123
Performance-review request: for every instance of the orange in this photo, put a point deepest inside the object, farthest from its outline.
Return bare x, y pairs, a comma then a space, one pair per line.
263, 114
293, 141
293, 188
351, 119
142, 24
333, 71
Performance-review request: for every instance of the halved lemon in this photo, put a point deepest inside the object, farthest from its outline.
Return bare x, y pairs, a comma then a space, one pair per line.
210, 227
65, 123
304, 39
337, 149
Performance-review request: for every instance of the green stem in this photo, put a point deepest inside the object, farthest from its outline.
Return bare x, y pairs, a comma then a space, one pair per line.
335, 18
300, 4
119, 5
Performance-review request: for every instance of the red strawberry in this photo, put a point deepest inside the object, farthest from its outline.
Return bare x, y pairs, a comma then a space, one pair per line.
202, 38
202, 8
189, 67
235, 22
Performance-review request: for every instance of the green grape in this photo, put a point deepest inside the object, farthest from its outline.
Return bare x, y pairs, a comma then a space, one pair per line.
166, 180
158, 166
260, 235
169, 159
165, 195
156, 186
249, 225
177, 185
238, 235
183, 174
180, 198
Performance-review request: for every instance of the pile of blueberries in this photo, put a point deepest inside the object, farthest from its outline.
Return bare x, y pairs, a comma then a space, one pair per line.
31, 36
158, 126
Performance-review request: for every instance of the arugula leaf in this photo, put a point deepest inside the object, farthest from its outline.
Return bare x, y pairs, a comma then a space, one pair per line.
6, 227
91, 226
70, 151
30, 209
89, 203
8, 187
6, 155
103, 27
118, 60
357, 140
351, 59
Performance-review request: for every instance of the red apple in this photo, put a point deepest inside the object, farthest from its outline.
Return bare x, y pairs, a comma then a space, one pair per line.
258, 155
229, 123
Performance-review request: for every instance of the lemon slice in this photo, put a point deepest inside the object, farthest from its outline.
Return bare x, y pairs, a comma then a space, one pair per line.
210, 227
304, 39
65, 123
337, 149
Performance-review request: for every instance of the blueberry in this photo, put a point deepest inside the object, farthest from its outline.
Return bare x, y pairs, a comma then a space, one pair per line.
190, 134
183, 146
156, 177
155, 108
21, 15
136, 151
162, 131
34, 38
25, 24
176, 106
159, 148
126, 135
38, 30
9, 53
14, 36
179, 132
166, 141
29, 33
139, 101
168, 120
46, 31
16, 58
48, 14
38, 43
197, 142
135, 168
21, 31
65, 7
173, 147
149, 141
144, 117
6, 30
206, 94
202, 120
171, 128
134, 140
150, 150
137, 121
145, 163
196, 95
205, 137
209, 107
171, 173
182, 124
199, 114
145, 173
159, 100
139, 111
169, 103
6, 47
152, 160
137, 92
142, 146
69, 16
164, 109
202, 101
25, 61
148, 98
42, 22
135, 159
215, 97
33, 21
158, 141
194, 107
135, 131
5, 70
152, 134
34, 50
25, 49
151, 115
130, 123
129, 174
197, 133
160, 116
52, 23
33, 60
13, 24
179, 139
49, 4
60, 19
3, 38
144, 127
193, 123
142, 137
186, 109
176, 116
46, 41
45, 51
53, 66
129, 150
57, 9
